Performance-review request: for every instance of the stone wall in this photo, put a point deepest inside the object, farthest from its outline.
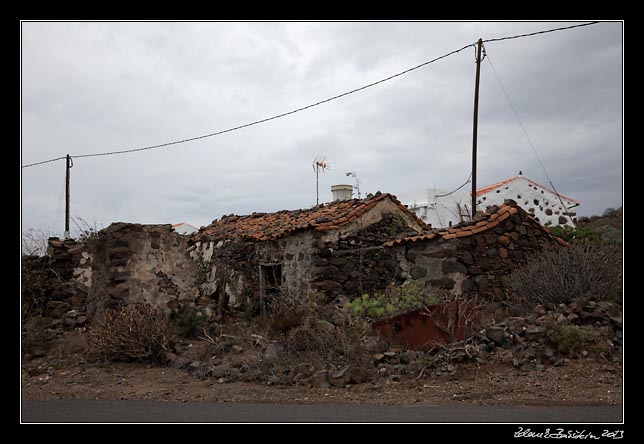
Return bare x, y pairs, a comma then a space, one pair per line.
474, 257
358, 264
140, 263
477, 257
229, 269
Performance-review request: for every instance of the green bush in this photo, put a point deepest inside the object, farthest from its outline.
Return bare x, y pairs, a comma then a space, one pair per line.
570, 339
393, 301
583, 235
188, 321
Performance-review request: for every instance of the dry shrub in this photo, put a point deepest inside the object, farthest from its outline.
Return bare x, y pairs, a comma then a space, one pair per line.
286, 313
35, 335
589, 271
135, 332
36, 286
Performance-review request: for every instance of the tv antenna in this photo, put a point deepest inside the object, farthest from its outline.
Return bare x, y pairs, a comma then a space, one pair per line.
355, 176
319, 164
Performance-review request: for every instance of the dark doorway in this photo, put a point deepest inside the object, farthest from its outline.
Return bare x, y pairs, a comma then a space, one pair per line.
272, 277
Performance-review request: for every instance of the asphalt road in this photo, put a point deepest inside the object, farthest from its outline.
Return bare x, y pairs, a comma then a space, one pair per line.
69, 410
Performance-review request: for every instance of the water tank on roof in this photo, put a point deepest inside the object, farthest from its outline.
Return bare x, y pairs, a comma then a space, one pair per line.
342, 192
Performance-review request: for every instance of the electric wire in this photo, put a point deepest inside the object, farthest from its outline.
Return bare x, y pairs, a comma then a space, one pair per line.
44, 161
454, 191
516, 114
539, 32
176, 142
278, 115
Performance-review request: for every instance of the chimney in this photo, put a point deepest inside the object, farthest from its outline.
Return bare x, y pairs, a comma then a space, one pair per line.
342, 192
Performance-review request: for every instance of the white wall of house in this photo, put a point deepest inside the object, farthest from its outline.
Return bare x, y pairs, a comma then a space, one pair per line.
437, 207
534, 198
443, 207
184, 228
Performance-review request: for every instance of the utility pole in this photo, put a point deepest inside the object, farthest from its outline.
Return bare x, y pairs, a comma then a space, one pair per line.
69, 163
479, 45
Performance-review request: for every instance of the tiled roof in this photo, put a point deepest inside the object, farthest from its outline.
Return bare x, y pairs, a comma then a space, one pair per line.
325, 217
487, 222
487, 189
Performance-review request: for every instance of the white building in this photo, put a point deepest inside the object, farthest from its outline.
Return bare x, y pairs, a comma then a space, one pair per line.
439, 207
443, 208
545, 205
184, 228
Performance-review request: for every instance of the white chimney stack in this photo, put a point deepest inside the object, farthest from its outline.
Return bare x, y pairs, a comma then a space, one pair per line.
342, 192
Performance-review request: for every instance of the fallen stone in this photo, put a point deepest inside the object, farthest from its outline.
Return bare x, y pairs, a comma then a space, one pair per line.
407, 357
539, 310
169, 357
71, 314
534, 331
495, 334
378, 357
516, 325
325, 326
320, 380
299, 378
617, 321
591, 316
272, 380
340, 377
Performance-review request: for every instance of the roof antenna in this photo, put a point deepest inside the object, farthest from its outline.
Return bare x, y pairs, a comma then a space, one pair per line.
319, 164
355, 176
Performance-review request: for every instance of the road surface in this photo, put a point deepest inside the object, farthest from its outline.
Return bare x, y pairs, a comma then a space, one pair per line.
74, 410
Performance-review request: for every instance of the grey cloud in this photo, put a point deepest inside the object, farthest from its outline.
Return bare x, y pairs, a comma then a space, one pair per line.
92, 87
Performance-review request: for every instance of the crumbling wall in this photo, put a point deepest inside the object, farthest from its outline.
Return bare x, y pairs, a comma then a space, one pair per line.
476, 257
140, 263
357, 264
475, 262
229, 269
68, 264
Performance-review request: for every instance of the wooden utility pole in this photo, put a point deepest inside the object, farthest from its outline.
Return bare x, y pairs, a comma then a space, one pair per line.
479, 45
68, 166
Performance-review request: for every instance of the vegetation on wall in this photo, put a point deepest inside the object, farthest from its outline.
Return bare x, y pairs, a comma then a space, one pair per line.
393, 301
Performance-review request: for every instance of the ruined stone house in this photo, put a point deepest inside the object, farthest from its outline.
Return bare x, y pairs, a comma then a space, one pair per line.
245, 259
332, 251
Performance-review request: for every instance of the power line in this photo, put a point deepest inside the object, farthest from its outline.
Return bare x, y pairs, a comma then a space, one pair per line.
454, 191
44, 161
269, 118
534, 150
304, 107
539, 32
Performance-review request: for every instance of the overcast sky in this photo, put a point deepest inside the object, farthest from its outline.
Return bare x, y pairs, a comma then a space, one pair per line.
93, 87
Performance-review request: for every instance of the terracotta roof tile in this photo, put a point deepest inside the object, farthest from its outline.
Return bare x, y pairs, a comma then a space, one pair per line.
325, 217
488, 222
480, 229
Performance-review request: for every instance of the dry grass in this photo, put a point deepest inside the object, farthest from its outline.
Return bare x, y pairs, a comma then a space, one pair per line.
589, 271
135, 332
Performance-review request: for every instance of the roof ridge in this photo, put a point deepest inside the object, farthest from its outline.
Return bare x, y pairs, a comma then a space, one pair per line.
322, 217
